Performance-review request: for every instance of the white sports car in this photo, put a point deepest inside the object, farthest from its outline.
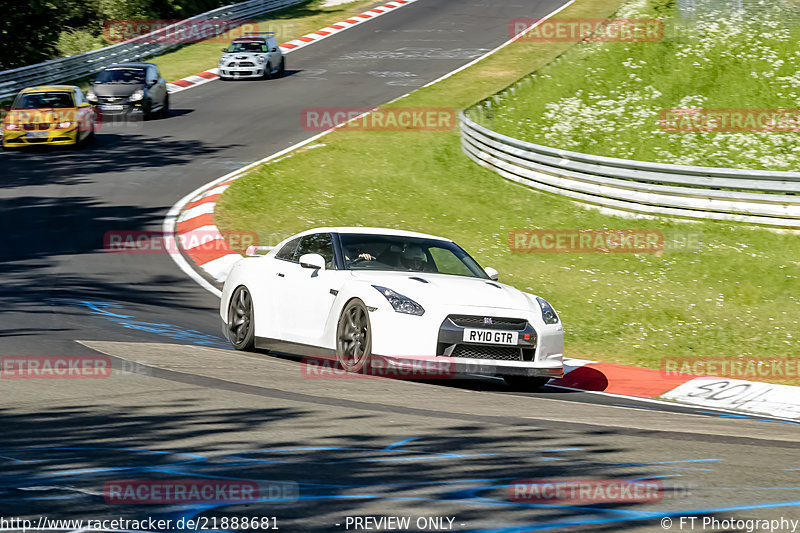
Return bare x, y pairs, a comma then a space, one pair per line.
359, 293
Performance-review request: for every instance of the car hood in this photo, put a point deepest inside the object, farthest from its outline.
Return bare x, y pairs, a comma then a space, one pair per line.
442, 289
242, 55
116, 89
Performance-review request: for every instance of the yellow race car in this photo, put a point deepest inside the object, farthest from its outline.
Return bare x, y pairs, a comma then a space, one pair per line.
49, 115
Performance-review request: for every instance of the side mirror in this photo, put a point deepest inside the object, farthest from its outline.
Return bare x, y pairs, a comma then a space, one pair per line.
273, 49
225, 50
492, 273
85, 104
315, 261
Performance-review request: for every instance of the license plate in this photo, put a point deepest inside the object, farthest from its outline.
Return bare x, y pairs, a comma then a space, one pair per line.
490, 336
37, 134
111, 107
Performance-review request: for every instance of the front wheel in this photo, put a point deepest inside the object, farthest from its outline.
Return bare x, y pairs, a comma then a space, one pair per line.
241, 330
525, 383
282, 68
164, 113
353, 337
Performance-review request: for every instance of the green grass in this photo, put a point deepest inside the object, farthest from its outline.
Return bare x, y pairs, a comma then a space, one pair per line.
737, 295
606, 98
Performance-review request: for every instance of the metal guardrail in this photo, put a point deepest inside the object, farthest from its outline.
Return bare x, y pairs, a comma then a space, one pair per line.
157, 42
751, 196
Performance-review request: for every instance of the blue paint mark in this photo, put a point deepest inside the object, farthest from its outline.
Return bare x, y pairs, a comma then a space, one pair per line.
101, 310
400, 443
636, 516
746, 417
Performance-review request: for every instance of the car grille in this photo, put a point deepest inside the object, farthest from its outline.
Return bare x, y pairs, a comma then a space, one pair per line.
503, 353
37, 126
111, 99
466, 321
247, 64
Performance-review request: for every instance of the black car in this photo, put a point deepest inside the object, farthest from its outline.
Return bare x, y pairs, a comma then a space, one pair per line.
134, 90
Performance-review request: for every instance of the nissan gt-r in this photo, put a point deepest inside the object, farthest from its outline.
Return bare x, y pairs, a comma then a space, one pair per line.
358, 293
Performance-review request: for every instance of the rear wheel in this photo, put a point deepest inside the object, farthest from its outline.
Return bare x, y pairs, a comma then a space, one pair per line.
525, 383
353, 337
241, 330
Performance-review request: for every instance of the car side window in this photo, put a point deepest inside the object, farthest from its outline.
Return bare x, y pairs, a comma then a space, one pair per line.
78, 97
287, 252
317, 243
151, 75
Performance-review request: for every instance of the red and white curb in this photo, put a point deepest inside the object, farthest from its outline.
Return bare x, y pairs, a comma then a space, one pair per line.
717, 393
192, 220
296, 44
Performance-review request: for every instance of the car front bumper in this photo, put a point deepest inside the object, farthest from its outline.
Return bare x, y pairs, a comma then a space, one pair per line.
242, 72
434, 337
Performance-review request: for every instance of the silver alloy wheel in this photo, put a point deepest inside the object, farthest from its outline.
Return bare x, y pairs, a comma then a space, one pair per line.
353, 337
240, 320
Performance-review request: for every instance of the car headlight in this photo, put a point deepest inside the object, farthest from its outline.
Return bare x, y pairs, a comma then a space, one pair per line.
261, 59
400, 303
64, 125
91, 96
548, 313
138, 95
13, 127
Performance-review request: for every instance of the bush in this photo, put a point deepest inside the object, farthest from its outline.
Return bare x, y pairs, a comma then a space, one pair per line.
71, 42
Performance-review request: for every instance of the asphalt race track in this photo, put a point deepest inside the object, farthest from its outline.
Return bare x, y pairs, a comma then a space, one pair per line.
182, 404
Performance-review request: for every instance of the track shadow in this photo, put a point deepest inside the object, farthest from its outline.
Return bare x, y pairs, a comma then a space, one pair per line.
111, 154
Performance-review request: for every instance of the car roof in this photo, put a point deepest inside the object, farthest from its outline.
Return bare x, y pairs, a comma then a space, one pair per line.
50, 89
372, 231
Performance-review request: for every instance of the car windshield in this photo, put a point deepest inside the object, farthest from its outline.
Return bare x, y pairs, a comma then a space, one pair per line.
407, 254
253, 46
121, 75
59, 99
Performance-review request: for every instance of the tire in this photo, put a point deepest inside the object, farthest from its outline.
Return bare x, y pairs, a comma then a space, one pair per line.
267, 72
282, 68
353, 336
240, 327
525, 383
